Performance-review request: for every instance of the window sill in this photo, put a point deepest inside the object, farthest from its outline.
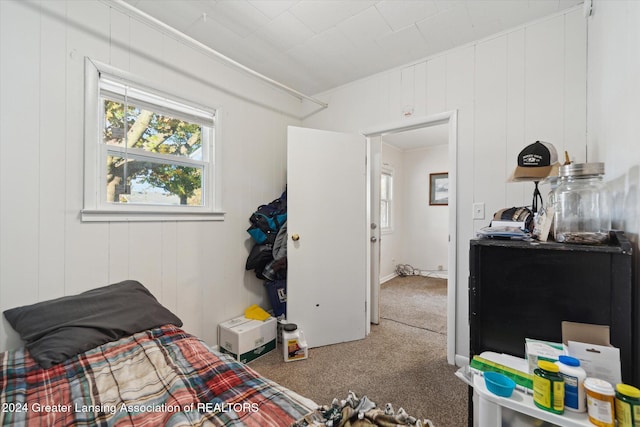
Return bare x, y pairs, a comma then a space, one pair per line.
92, 215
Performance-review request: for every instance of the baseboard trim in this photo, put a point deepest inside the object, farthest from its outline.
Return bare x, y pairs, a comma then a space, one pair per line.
461, 360
388, 277
438, 274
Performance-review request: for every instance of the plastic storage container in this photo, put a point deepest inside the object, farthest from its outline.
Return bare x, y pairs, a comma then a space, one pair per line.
573, 376
581, 205
499, 384
294, 345
600, 406
627, 406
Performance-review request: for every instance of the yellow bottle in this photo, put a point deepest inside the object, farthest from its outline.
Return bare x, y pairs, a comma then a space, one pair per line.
627, 406
548, 387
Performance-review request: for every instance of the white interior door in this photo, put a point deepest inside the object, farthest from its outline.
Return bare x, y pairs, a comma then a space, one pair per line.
327, 250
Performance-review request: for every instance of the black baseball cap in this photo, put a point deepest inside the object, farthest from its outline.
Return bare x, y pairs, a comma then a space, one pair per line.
536, 162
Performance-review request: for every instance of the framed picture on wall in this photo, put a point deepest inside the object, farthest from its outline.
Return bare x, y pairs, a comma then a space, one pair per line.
439, 189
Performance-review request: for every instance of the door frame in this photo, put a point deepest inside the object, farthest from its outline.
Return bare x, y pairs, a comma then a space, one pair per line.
373, 297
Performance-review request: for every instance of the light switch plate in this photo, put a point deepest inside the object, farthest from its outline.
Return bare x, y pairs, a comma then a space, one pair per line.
478, 211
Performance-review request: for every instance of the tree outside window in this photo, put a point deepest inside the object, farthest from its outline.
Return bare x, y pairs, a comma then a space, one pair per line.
131, 178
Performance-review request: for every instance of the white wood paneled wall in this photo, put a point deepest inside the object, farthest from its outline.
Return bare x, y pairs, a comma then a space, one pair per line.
196, 269
509, 90
420, 231
614, 108
425, 232
613, 111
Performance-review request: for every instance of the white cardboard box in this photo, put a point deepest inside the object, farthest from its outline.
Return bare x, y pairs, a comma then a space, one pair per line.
247, 339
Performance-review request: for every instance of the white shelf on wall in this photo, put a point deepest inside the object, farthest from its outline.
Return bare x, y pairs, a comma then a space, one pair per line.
490, 408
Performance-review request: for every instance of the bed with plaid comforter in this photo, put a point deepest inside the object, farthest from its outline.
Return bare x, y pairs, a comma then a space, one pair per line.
159, 377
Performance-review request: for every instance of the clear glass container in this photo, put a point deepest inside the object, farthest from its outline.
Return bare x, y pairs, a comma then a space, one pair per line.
581, 205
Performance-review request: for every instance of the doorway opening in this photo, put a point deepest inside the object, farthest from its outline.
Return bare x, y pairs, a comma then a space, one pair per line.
413, 135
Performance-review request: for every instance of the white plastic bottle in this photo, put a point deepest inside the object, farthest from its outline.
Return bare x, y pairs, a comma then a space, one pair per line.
574, 376
294, 345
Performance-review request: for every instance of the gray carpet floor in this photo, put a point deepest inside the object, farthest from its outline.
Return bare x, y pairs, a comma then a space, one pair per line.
403, 361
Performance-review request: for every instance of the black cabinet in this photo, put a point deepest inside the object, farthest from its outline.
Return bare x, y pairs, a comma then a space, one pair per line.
521, 290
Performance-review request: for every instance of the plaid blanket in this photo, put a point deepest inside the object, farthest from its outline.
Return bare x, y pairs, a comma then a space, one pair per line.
159, 377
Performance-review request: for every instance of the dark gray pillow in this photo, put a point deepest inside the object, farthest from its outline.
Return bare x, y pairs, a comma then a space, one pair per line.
58, 329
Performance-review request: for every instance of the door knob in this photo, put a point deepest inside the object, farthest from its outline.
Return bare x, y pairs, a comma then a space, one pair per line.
374, 239
295, 237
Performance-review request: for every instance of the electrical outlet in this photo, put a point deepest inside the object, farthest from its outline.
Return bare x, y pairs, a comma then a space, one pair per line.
478, 211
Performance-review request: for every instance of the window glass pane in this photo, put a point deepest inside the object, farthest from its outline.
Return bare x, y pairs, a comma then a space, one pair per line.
384, 214
383, 186
113, 132
131, 180
151, 131
386, 183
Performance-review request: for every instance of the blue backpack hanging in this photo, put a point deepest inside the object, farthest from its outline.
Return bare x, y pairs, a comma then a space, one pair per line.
267, 220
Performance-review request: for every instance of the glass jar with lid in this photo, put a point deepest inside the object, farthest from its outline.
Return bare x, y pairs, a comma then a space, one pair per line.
581, 205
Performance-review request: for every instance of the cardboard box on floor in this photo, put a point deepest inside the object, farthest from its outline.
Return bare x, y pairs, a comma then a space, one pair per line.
247, 339
591, 345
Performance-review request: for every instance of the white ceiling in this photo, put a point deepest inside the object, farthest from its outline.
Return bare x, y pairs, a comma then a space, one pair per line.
315, 45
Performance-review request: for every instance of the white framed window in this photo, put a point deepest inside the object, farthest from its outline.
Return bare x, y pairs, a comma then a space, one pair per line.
149, 155
386, 199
